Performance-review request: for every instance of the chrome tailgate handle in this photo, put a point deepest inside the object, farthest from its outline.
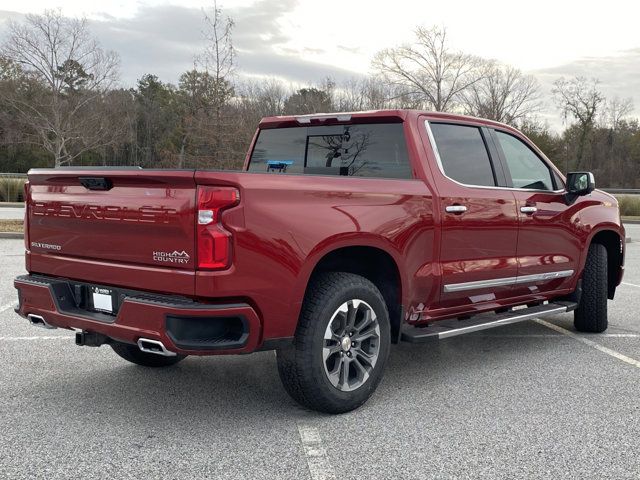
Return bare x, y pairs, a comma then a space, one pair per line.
455, 209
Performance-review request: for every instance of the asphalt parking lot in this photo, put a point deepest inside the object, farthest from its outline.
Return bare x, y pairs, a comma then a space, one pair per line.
519, 401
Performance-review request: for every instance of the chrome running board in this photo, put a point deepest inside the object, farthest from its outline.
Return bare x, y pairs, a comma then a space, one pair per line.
454, 327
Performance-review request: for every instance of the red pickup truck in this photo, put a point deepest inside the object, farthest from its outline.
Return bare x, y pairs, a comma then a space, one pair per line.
344, 233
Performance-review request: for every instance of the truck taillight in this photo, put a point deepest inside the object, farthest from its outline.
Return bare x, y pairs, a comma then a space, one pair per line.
214, 242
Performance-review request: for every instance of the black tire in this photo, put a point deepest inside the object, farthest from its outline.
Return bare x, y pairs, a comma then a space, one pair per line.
133, 354
302, 368
591, 314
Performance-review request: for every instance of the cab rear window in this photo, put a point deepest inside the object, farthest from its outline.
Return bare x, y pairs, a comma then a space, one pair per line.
362, 150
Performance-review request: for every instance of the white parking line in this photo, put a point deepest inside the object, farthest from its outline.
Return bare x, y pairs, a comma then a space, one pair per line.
19, 339
630, 284
7, 306
315, 453
592, 344
620, 335
551, 335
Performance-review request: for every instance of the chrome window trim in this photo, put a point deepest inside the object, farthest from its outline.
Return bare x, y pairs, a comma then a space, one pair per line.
436, 152
499, 282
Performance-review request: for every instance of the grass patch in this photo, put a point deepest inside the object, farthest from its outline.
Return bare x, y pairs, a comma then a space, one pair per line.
11, 226
12, 189
629, 205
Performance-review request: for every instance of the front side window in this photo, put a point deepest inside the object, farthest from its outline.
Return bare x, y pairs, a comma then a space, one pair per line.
463, 154
526, 168
362, 150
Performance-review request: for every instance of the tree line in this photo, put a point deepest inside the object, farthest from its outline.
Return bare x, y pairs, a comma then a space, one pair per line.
60, 102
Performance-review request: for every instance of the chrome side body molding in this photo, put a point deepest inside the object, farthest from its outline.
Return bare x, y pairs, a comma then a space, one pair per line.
500, 282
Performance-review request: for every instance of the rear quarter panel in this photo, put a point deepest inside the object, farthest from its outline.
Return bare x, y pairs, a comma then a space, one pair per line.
287, 223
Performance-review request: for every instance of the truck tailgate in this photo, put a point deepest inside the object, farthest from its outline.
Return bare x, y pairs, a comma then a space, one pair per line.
129, 218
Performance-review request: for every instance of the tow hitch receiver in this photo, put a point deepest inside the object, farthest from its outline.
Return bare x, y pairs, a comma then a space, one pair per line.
91, 339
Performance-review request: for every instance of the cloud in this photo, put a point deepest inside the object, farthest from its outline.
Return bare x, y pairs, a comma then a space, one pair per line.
164, 40
619, 75
354, 50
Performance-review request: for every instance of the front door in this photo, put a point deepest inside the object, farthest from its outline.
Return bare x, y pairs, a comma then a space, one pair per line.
548, 249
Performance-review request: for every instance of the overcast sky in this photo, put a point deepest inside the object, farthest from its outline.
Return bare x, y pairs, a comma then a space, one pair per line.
304, 41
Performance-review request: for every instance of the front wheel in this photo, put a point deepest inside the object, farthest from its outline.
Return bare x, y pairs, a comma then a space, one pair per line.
341, 345
591, 314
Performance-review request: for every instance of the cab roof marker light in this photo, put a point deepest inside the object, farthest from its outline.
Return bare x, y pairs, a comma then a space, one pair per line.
306, 119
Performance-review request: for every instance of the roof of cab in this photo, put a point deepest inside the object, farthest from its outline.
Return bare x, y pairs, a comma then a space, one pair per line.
395, 115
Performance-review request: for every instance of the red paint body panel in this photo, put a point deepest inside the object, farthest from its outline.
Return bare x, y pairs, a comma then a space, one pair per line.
284, 227
479, 244
140, 214
285, 224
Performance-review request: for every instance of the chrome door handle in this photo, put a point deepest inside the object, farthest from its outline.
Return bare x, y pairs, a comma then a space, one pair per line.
455, 209
528, 210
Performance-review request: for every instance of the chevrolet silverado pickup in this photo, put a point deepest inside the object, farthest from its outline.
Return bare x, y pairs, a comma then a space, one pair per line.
344, 233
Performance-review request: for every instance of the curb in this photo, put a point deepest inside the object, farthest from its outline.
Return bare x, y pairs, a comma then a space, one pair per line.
12, 204
14, 235
631, 222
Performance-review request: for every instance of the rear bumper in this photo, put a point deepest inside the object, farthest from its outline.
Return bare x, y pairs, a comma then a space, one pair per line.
183, 326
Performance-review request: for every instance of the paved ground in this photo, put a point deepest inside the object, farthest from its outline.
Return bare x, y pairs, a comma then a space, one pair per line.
520, 401
11, 213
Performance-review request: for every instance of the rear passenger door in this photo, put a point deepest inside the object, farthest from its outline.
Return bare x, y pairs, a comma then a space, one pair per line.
479, 221
548, 247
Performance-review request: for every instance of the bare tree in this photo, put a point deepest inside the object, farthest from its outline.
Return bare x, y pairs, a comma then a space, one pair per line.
263, 98
218, 61
219, 56
369, 93
615, 111
429, 70
60, 95
580, 99
503, 94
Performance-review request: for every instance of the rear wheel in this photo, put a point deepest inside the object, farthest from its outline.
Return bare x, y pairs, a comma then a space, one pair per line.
133, 354
341, 345
591, 314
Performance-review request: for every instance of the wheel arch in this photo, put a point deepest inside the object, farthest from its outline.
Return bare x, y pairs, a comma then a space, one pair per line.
371, 260
613, 241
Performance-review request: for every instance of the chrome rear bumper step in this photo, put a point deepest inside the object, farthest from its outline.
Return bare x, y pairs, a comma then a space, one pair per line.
455, 327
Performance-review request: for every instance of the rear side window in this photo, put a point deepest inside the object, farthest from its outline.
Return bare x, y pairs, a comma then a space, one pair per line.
375, 150
526, 168
463, 154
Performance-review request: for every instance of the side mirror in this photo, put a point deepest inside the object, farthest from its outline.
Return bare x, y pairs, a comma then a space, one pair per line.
578, 184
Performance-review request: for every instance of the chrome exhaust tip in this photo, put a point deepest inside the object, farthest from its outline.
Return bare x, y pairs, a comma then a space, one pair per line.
39, 321
154, 346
